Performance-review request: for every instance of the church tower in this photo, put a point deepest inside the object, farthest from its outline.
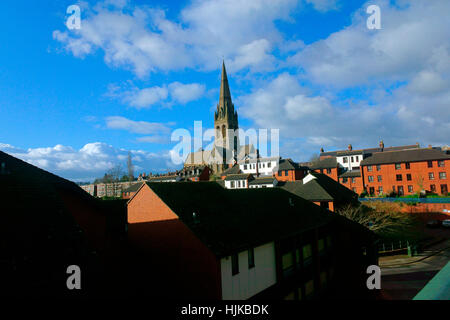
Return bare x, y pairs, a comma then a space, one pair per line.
226, 118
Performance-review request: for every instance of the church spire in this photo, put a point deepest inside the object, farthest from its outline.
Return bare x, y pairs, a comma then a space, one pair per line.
224, 88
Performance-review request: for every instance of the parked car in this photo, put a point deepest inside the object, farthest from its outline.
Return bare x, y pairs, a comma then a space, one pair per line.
446, 223
433, 223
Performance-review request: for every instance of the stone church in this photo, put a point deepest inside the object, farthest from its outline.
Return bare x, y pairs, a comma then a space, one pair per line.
226, 150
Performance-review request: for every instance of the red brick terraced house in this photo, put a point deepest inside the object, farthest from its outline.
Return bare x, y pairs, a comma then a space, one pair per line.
201, 241
407, 172
289, 170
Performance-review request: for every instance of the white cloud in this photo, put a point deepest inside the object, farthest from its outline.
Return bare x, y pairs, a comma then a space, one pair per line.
141, 127
144, 98
324, 5
89, 162
143, 40
185, 93
175, 92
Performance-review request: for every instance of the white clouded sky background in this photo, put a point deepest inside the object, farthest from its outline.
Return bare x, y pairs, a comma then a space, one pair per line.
352, 85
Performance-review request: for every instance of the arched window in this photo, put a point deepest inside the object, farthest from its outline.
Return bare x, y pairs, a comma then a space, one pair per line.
224, 131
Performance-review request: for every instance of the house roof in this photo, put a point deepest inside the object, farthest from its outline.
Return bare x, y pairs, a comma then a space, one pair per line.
351, 174
322, 188
324, 164
235, 220
133, 188
412, 155
367, 150
233, 170
241, 176
262, 180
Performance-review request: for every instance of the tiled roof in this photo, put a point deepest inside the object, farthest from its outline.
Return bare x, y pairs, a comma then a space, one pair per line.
234, 220
322, 188
351, 174
263, 180
324, 164
412, 155
134, 187
241, 176
233, 170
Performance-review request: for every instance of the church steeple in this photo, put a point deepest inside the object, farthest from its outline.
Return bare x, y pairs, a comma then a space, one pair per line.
225, 107
225, 94
226, 118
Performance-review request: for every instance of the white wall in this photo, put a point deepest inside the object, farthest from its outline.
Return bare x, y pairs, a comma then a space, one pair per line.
263, 166
243, 184
249, 282
349, 165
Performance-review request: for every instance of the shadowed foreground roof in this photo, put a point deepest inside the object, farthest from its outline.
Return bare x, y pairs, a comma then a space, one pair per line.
232, 220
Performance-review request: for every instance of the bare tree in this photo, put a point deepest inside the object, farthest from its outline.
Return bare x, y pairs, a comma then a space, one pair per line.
314, 158
114, 175
130, 167
382, 218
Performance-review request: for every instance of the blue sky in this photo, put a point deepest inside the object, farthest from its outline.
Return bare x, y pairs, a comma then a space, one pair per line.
75, 101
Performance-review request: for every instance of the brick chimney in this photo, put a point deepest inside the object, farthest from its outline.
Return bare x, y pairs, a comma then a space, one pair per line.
321, 150
350, 148
381, 145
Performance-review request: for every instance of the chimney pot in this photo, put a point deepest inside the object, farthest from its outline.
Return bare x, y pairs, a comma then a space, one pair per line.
350, 148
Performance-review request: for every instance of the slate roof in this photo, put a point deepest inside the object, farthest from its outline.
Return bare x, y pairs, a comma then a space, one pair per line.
323, 188
351, 174
164, 178
412, 155
324, 164
368, 150
233, 170
288, 164
263, 180
134, 187
241, 176
245, 218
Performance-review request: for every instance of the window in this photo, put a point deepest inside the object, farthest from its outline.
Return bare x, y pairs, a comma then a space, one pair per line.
408, 177
398, 177
239, 183
410, 189
234, 264
345, 159
369, 168
353, 180
442, 175
354, 190
398, 166
431, 176
441, 163
232, 184
353, 160
321, 245
245, 167
407, 165
287, 260
371, 190
357, 158
432, 188
286, 172
307, 253
380, 190
430, 164
378, 167
444, 189
251, 258
344, 180
379, 178
329, 171
309, 288
280, 173
370, 178
400, 190
269, 165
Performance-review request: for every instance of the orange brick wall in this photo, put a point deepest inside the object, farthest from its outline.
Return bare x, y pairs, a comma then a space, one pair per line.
169, 257
428, 207
417, 170
293, 175
146, 206
357, 186
330, 204
333, 174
